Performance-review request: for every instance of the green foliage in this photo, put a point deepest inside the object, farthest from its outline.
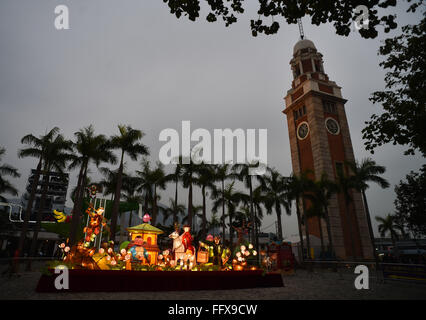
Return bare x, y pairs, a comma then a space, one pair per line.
410, 202
124, 245
62, 229
404, 101
340, 13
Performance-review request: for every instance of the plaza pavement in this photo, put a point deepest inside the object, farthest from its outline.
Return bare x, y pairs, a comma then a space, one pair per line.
302, 284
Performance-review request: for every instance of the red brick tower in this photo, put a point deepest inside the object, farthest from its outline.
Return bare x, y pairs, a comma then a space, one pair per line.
320, 141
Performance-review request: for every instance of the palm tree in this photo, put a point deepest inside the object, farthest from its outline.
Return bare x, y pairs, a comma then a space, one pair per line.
127, 141
363, 173
231, 199
130, 187
277, 193
243, 173
149, 181
259, 200
159, 182
109, 182
175, 177
89, 147
174, 210
388, 225
320, 195
57, 152
221, 174
7, 170
36, 149
213, 223
298, 185
188, 177
205, 178
197, 214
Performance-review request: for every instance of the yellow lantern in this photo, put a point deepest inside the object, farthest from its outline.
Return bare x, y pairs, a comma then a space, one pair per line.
149, 234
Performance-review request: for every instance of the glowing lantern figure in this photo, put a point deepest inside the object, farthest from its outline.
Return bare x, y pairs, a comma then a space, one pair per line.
149, 234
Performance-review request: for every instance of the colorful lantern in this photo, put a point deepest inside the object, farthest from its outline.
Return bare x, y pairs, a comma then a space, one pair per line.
149, 234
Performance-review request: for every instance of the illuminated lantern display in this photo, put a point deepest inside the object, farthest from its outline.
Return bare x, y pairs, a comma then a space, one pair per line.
245, 258
149, 234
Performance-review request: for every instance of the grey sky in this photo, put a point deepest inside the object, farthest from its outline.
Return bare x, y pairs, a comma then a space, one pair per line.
132, 62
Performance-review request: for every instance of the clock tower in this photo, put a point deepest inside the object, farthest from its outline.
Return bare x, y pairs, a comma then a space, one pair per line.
320, 143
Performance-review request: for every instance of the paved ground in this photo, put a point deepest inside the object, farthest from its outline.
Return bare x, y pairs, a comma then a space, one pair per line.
301, 285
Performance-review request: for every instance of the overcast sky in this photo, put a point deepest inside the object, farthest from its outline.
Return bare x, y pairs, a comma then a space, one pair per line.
132, 62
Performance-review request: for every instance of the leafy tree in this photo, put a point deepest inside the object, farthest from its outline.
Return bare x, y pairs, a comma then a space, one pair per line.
127, 142
404, 101
7, 170
340, 13
410, 202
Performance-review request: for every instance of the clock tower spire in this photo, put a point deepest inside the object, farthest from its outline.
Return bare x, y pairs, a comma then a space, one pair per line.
320, 143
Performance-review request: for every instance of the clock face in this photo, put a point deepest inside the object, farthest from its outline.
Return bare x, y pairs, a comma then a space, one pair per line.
332, 126
302, 130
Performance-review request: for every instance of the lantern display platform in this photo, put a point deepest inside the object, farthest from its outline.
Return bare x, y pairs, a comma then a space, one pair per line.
81, 280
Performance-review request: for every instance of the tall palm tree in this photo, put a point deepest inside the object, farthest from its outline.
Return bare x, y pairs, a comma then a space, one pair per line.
174, 210
221, 175
243, 173
130, 187
259, 200
213, 223
198, 214
231, 198
159, 179
188, 176
346, 184
108, 182
205, 179
7, 170
363, 173
320, 195
277, 193
127, 142
57, 153
175, 177
89, 147
149, 181
388, 225
36, 149
298, 185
